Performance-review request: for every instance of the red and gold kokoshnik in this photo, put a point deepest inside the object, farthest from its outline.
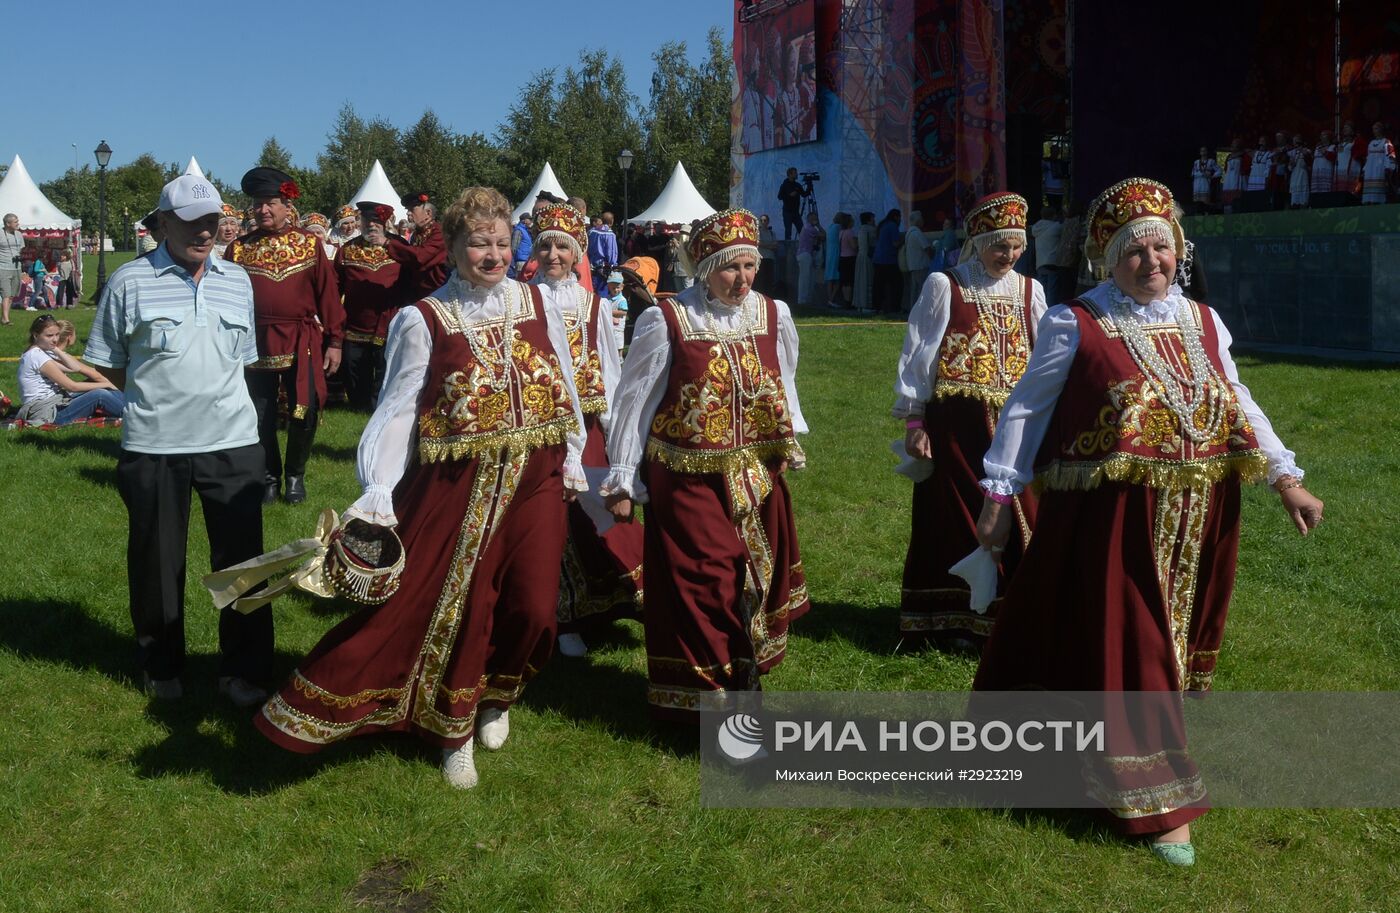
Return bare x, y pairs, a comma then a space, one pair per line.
721, 231
1002, 211
562, 217
1126, 203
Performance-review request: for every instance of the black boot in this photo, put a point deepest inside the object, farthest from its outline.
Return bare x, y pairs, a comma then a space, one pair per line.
296, 490
271, 486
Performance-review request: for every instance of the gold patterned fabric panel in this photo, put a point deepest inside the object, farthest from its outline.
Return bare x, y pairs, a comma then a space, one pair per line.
493, 490
276, 257
365, 256
1178, 537
1135, 437
588, 369
985, 363
520, 402
710, 425
273, 363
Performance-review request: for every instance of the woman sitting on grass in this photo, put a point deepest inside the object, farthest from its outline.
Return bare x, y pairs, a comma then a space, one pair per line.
50, 395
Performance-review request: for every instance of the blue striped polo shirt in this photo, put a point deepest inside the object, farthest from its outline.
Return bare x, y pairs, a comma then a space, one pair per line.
183, 346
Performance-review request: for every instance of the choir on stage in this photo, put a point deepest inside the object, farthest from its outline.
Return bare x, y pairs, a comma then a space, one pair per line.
1295, 175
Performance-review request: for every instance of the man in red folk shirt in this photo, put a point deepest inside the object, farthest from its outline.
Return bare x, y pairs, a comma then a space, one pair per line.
422, 262
296, 305
367, 278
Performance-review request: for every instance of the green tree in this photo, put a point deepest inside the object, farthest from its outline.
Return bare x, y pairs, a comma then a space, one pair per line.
529, 137
482, 163
274, 155
352, 147
596, 117
432, 161
687, 119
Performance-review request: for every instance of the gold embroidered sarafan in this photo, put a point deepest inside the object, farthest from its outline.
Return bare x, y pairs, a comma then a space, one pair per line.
365, 256
709, 425
985, 363
521, 404
276, 257
588, 367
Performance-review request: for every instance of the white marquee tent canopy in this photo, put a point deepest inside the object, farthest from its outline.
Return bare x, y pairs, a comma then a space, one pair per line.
21, 196
194, 169
546, 181
678, 204
377, 189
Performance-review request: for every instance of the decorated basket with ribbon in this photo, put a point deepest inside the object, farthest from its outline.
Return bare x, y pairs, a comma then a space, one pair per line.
364, 562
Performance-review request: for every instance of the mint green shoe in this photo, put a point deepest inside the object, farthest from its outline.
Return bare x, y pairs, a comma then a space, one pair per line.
1175, 853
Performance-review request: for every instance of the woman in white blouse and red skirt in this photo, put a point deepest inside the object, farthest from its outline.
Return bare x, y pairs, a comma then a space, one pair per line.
471, 453
1132, 419
704, 430
969, 337
601, 578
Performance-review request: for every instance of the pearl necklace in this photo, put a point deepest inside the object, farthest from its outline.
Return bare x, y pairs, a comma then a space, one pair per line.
998, 315
489, 356
1201, 383
747, 342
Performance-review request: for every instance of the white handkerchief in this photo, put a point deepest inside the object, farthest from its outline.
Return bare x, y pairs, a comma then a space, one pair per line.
979, 569
911, 467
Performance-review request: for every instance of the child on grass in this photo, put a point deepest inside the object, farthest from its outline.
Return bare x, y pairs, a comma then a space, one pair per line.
618, 302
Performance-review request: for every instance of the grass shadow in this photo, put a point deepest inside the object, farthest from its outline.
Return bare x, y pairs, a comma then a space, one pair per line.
334, 452
104, 476
610, 697
68, 441
205, 732
874, 631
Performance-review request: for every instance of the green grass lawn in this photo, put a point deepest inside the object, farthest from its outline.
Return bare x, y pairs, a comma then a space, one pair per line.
110, 802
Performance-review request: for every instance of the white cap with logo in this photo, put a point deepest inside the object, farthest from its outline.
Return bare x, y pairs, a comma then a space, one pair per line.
190, 197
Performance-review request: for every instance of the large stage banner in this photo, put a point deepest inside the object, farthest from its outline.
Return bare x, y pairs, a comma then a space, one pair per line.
775, 51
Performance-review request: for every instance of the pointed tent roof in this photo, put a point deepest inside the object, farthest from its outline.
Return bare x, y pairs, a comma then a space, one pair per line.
21, 196
546, 181
193, 168
377, 189
678, 204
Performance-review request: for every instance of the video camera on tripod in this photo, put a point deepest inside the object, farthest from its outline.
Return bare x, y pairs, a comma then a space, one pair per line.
809, 193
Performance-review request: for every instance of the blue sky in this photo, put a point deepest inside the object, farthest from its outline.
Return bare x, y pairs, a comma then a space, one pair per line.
214, 80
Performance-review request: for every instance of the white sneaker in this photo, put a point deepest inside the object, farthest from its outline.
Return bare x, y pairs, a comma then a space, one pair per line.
242, 692
458, 766
572, 645
492, 728
163, 689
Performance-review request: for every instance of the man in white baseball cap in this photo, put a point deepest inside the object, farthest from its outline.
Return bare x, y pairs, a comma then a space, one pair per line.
174, 330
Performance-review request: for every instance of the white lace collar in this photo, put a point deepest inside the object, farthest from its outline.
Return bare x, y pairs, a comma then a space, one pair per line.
556, 284
974, 275
1161, 310
463, 292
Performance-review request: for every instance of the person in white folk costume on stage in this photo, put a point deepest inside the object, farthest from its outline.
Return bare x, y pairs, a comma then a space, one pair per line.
1380, 164
1205, 171
1236, 174
1351, 152
1261, 163
1324, 164
1299, 173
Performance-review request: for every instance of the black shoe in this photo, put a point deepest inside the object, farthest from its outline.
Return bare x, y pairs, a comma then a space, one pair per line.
296, 490
271, 488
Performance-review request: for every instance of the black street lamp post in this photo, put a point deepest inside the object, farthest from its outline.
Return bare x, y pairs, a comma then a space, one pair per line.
104, 155
624, 161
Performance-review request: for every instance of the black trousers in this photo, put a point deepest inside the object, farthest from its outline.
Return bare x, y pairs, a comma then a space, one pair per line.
362, 373
887, 287
263, 387
792, 223
156, 489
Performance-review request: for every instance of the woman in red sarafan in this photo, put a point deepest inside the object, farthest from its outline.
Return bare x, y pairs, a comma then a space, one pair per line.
969, 337
1132, 419
601, 577
471, 454
704, 427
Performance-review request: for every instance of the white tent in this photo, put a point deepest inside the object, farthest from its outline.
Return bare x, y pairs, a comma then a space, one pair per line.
21, 196
47, 230
377, 189
194, 169
546, 181
679, 203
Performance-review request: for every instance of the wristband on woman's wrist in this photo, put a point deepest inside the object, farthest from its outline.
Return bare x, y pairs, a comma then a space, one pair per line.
913, 422
1287, 482
1000, 498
